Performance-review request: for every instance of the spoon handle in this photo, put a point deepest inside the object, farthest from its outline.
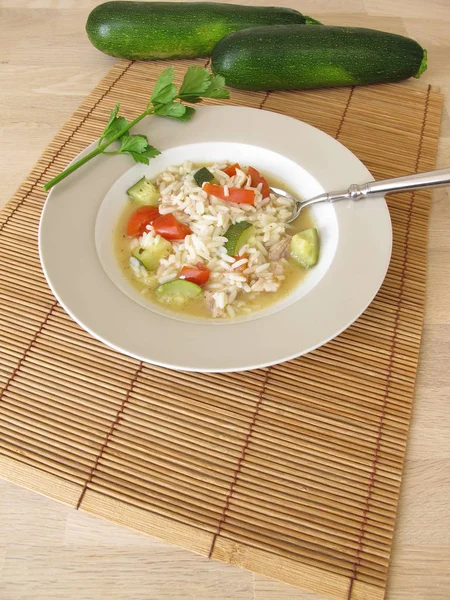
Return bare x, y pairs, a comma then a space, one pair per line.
410, 182
440, 177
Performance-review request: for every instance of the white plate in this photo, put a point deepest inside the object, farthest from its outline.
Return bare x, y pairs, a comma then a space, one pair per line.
75, 244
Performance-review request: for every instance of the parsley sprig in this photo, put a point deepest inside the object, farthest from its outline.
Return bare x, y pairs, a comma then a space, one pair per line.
166, 101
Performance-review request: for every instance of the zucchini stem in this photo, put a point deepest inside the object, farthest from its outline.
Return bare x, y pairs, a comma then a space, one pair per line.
423, 65
311, 21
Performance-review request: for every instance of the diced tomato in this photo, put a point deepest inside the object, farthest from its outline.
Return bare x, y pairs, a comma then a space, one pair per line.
238, 195
198, 274
243, 266
257, 178
231, 170
139, 220
169, 228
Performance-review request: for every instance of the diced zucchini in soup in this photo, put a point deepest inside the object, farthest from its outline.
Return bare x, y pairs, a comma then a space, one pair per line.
150, 257
177, 291
202, 176
143, 192
238, 235
305, 248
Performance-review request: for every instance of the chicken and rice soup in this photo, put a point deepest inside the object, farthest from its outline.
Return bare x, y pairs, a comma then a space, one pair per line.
213, 241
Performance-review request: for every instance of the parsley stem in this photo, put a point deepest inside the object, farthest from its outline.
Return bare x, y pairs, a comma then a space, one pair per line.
95, 152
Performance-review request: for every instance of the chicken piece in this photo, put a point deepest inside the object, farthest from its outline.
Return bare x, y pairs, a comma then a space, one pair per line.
210, 302
278, 268
212, 305
279, 250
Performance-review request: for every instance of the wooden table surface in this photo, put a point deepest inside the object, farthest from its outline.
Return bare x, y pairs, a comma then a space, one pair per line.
49, 551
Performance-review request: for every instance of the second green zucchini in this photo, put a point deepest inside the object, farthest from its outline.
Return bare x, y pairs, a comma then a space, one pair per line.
296, 57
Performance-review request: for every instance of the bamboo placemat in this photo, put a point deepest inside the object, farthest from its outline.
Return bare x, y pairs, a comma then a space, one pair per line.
292, 471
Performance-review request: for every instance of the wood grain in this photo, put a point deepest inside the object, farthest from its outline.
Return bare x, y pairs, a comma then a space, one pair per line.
50, 551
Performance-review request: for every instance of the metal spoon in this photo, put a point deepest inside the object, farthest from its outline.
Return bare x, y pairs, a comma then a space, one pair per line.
437, 178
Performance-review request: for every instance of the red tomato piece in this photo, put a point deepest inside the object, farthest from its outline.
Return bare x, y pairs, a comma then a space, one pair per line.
231, 170
139, 220
238, 195
169, 228
257, 178
198, 274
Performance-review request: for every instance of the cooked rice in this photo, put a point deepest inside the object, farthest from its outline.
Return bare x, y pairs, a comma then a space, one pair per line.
233, 282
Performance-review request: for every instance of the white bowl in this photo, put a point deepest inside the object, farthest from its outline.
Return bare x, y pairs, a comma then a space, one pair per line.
297, 179
81, 268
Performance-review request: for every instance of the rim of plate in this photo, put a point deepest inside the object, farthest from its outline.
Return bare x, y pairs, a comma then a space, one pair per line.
79, 282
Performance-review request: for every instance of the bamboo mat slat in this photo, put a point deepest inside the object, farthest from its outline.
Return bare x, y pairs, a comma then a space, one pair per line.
292, 471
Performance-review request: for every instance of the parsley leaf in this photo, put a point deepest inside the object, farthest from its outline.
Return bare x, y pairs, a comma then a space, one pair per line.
216, 89
195, 83
141, 157
191, 99
165, 90
150, 152
198, 83
138, 147
133, 143
176, 110
115, 125
188, 114
112, 116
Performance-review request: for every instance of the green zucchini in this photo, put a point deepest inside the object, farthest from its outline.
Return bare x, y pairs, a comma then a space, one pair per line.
305, 248
202, 176
238, 235
144, 192
150, 257
293, 57
177, 291
151, 30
